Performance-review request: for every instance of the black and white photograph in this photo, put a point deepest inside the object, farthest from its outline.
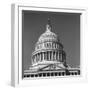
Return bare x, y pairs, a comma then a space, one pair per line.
47, 45
50, 44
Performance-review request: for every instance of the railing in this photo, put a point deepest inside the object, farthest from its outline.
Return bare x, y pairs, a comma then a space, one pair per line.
52, 73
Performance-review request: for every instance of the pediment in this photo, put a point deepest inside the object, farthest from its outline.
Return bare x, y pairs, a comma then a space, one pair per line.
53, 67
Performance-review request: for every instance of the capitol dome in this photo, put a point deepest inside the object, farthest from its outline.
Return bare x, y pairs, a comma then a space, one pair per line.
48, 51
48, 40
48, 36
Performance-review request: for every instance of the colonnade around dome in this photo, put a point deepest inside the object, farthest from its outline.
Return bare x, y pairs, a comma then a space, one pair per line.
57, 55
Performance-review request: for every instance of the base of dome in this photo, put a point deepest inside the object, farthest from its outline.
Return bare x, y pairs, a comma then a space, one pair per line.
47, 66
46, 62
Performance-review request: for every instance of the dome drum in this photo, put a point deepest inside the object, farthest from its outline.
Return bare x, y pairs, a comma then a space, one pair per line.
49, 45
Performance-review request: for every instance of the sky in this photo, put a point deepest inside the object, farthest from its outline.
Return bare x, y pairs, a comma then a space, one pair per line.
65, 25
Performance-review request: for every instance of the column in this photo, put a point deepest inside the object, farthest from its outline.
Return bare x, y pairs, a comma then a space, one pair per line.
45, 56
56, 45
48, 55
55, 55
58, 56
52, 55
61, 57
38, 57
35, 58
42, 55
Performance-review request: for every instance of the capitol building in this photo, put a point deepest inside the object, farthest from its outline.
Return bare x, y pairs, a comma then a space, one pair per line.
49, 57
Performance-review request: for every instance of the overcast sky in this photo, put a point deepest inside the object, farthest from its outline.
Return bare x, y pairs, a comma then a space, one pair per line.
65, 25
